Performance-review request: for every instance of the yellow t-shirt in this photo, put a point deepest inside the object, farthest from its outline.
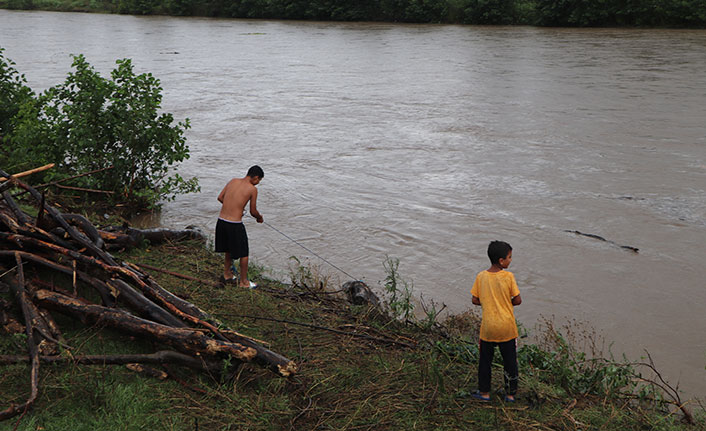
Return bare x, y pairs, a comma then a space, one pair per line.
495, 291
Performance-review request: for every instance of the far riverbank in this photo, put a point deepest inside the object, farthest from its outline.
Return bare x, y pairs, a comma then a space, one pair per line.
551, 13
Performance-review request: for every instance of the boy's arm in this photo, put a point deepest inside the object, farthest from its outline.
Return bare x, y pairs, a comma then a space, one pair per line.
222, 195
516, 300
475, 300
253, 206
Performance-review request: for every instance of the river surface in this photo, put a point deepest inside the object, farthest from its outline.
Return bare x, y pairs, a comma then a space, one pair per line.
425, 142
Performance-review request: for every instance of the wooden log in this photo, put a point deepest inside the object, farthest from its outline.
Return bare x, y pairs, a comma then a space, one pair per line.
7, 185
29, 172
9, 222
72, 231
53, 326
42, 331
73, 177
130, 237
116, 240
40, 213
82, 189
182, 339
161, 357
147, 371
87, 227
162, 297
26, 242
152, 290
166, 299
177, 306
46, 343
106, 294
23, 301
12, 326
143, 306
21, 217
32, 232
3, 315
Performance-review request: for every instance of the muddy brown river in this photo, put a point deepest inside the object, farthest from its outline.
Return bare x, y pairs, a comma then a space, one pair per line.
425, 142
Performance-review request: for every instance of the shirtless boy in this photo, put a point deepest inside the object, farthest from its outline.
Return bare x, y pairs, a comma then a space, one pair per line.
231, 237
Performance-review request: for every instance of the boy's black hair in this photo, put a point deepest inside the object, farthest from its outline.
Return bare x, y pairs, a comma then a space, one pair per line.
498, 250
256, 171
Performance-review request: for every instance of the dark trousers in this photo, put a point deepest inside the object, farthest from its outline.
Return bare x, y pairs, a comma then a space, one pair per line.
508, 350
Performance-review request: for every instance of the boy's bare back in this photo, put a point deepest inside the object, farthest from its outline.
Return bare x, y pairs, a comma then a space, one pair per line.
235, 195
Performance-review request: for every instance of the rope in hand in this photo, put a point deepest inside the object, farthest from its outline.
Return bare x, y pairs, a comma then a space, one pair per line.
307, 249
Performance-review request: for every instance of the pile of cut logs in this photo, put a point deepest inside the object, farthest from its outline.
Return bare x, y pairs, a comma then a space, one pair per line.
31, 248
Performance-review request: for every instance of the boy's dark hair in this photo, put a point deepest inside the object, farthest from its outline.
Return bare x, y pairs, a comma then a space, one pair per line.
498, 250
256, 171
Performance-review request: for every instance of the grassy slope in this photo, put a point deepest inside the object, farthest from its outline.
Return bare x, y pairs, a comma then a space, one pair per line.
344, 382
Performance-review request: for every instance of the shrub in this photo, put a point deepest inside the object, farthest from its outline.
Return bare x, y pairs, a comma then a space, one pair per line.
14, 92
90, 123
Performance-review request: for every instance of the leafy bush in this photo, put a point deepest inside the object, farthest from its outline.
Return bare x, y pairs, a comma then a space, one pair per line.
574, 373
14, 92
90, 123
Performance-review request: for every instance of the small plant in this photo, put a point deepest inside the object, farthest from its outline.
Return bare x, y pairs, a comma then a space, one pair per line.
309, 276
459, 351
431, 314
399, 291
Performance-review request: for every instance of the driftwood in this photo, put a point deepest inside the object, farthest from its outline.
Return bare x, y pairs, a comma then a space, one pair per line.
57, 182
33, 250
31, 171
127, 237
161, 357
22, 299
600, 238
86, 227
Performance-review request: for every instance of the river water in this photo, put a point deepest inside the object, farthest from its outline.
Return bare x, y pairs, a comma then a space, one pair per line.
425, 142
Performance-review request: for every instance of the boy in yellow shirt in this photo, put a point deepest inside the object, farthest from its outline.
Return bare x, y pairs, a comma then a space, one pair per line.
495, 290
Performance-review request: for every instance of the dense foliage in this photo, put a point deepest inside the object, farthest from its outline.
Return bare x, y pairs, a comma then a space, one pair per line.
581, 13
91, 123
14, 92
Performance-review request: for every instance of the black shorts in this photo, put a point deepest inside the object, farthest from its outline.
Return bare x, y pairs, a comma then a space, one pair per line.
232, 238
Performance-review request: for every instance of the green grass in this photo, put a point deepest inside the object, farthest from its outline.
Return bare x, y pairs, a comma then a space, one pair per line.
91, 398
343, 382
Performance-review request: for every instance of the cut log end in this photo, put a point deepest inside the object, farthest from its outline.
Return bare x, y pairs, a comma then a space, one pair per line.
287, 370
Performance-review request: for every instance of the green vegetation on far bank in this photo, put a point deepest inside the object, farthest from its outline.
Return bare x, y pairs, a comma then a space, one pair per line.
570, 13
359, 369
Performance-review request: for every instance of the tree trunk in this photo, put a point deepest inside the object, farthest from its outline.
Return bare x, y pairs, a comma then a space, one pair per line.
187, 341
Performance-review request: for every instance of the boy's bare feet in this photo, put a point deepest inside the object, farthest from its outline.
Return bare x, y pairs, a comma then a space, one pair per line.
249, 285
